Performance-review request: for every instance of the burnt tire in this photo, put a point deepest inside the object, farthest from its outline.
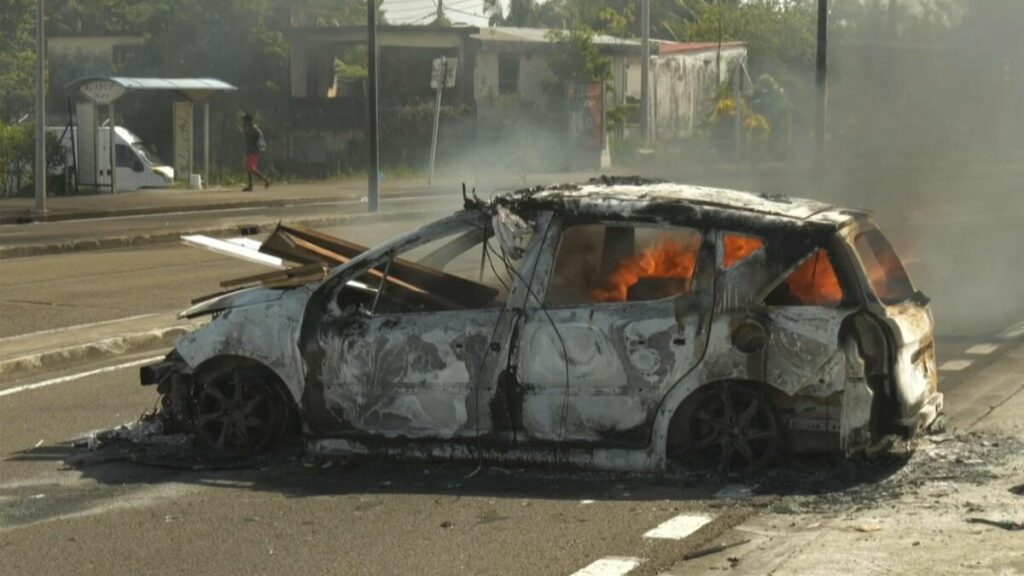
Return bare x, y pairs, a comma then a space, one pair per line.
727, 426
239, 413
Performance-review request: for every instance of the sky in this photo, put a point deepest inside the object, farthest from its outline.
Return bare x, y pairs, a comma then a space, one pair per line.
469, 12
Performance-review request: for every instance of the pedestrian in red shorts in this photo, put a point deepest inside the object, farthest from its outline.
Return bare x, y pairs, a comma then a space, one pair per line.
254, 145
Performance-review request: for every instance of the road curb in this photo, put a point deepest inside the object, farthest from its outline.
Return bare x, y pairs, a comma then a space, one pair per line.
27, 250
36, 363
21, 218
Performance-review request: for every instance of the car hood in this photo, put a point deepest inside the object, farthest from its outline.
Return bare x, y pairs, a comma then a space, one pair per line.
246, 297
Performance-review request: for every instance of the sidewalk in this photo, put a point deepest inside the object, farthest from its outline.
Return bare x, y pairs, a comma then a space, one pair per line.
163, 201
27, 355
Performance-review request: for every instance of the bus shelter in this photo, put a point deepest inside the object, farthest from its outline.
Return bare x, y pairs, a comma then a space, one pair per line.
105, 91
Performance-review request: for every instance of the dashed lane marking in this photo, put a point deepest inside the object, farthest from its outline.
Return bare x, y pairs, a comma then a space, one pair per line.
1014, 331
678, 527
954, 365
79, 376
611, 566
982, 349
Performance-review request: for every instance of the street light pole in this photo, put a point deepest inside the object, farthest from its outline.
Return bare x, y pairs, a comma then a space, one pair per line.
373, 169
40, 169
821, 78
645, 65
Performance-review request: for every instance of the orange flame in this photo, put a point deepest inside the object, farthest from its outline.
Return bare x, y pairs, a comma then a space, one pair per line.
738, 247
669, 257
814, 283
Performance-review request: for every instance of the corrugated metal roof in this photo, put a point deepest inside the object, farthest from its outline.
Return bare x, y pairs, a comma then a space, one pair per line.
211, 84
683, 47
539, 36
175, 84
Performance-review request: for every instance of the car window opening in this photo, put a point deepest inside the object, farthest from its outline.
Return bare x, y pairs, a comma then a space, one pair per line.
812, 283
737, 248
602, 264
884, 270
453, 275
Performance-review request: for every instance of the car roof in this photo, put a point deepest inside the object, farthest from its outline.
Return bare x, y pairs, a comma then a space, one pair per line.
622, 198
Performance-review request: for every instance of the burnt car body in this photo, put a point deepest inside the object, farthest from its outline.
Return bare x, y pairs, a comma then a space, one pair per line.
619, 324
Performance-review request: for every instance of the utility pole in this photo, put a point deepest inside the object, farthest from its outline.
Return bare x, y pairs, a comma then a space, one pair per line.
440, 11
645, 65
373, 142
40, 170
821, 78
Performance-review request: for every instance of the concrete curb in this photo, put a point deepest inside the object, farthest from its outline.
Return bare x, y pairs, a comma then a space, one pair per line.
27, 250
36, 363
20, 218
17, 219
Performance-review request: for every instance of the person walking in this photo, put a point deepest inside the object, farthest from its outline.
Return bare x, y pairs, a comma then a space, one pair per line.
254, 146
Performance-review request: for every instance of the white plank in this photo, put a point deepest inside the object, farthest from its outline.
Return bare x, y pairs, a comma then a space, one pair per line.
234, 250
246, 242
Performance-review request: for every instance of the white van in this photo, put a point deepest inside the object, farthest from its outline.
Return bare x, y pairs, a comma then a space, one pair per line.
137, 166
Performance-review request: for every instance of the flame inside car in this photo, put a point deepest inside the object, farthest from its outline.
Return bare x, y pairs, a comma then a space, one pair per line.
813, 283
667, 266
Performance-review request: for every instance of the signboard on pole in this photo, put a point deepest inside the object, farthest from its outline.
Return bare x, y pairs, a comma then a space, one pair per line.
585, 106
182, 140
101, 91
443, 71
442, 75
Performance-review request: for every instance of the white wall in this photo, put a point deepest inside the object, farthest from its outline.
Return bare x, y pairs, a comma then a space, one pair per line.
683, 88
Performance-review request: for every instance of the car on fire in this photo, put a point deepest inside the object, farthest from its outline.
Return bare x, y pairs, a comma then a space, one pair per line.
619, 324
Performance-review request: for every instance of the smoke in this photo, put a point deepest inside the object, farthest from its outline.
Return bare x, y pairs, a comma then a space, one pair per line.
925, 129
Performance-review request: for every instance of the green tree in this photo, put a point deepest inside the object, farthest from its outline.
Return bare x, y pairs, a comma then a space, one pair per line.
776, 38
17, 58
576, 58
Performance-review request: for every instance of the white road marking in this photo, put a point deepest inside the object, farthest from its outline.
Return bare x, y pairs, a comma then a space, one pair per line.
678, 527
1014, 331
954, 365
982, 349
611, 566
79, 376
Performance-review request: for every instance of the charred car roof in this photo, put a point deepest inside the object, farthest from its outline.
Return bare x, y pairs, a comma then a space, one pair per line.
658, 201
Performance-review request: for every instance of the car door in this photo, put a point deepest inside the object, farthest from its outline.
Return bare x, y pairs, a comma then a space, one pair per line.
624, 316
409, 340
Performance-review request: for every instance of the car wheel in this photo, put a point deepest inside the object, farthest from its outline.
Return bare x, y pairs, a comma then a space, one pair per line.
239, 413
730, 425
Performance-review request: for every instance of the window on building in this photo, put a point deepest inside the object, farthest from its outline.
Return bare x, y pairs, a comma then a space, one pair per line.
508, 73
598, 263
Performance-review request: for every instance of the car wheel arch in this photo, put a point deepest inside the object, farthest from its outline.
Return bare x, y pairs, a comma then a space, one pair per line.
216, 366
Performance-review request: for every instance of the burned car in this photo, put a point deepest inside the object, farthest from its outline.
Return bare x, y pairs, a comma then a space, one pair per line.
620, 324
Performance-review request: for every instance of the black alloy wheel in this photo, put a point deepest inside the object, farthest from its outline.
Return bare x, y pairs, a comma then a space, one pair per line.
735, 425
239, 414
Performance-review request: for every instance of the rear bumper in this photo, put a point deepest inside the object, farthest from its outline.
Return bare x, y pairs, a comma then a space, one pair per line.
919, 417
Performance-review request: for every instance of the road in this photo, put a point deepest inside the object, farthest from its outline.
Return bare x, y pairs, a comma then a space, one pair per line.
288, 515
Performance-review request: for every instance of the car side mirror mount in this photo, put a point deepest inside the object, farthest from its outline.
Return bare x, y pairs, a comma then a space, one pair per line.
137, 166
920, 298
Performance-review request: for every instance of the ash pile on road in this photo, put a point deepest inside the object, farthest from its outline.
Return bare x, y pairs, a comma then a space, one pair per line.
943, 460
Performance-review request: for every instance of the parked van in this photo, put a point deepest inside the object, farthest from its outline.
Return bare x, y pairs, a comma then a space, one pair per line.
137, 166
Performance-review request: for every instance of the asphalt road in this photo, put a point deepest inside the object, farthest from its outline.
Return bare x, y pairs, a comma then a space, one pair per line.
287, 515
46, 292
